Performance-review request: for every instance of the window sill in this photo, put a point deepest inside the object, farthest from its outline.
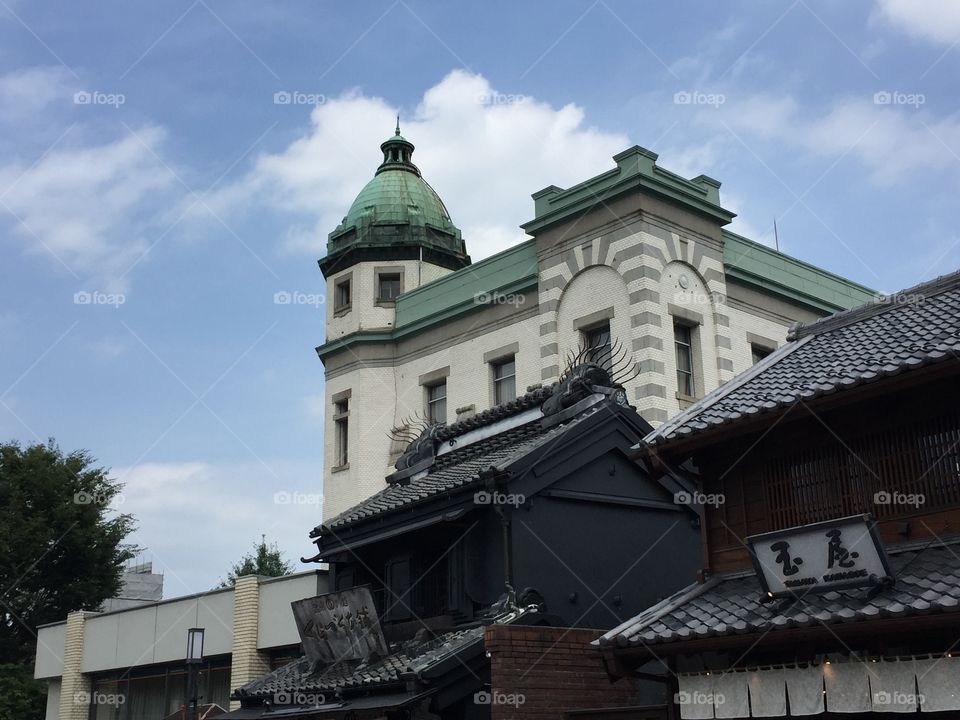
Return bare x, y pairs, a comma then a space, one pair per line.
341, 311
340, 468
686, 400
385, 303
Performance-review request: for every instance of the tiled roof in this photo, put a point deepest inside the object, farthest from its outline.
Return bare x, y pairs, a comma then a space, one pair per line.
461, 467
406, 660
897, 334
927, 581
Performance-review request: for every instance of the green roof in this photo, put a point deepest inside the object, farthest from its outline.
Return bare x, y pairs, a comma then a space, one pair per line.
506, 272
636, 169
396, 197
394, 216
766, 269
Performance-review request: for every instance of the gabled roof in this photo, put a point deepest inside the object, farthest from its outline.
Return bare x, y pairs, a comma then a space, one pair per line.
927, 582
893, 335
493, 440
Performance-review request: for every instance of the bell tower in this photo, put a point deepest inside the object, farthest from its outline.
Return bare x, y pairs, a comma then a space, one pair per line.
396, 236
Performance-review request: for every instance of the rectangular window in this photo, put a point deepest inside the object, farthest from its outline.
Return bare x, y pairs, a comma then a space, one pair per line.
388, 286
504, 380
683, 342
342, 296
758, 352
598, 340
341, 413
437, 402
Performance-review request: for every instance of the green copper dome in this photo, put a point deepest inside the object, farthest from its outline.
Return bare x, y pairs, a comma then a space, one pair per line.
396, 216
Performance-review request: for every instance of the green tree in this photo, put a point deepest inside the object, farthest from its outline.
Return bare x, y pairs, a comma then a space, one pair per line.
265, 560
62, 548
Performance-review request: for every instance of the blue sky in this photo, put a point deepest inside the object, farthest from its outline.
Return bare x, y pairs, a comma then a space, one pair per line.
149, 163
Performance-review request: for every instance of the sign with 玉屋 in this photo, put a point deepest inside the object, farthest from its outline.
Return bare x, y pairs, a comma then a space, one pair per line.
339, 626
819, 557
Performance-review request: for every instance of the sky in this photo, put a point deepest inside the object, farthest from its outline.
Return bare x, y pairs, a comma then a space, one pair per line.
166, 169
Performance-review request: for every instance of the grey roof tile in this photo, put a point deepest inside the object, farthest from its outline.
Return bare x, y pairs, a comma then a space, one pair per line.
703, 610
455, 470
916, 327
409, 657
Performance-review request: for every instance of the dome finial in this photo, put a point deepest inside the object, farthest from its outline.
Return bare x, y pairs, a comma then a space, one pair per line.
397, 132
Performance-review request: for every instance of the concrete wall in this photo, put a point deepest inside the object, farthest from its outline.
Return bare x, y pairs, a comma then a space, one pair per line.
68, 654
157, 633
276, 627
50, 640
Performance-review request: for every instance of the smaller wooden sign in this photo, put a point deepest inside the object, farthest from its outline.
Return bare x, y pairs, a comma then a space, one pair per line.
339, 626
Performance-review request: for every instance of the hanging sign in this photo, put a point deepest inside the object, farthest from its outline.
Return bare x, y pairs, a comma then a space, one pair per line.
339, 626
820, 557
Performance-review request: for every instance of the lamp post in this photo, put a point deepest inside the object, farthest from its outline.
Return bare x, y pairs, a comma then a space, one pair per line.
194, 660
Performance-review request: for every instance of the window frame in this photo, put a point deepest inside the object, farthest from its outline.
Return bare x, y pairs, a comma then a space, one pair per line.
339, 307
690, 345
764, 352
598, 329
341, 433
378, 273
495, 367
429, 402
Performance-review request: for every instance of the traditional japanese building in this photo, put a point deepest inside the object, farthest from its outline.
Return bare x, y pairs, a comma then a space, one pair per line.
414, 329
528, 514
829, 477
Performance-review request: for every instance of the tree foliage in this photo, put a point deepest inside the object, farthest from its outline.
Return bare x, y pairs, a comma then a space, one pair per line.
265, 560
62, 547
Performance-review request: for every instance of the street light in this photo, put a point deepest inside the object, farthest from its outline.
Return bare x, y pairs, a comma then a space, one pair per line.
194, 660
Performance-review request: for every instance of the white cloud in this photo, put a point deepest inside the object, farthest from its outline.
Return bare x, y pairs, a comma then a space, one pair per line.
933, 20
195, 519
483, 152
85, 206
26, 92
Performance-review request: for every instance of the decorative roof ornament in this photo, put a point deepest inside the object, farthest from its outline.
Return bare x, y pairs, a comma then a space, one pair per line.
591, 370
421, 449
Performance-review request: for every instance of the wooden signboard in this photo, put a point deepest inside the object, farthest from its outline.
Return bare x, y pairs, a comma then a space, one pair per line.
824, 556
339, 626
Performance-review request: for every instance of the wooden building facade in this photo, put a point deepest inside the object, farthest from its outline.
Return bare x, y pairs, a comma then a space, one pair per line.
857, 416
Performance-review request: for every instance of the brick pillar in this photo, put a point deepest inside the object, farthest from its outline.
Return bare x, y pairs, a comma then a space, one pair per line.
75, 686
247, 663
